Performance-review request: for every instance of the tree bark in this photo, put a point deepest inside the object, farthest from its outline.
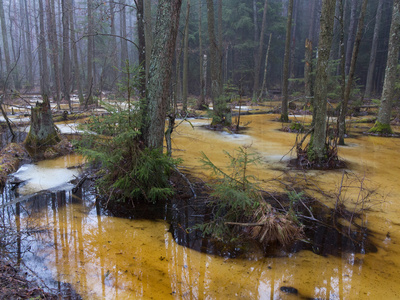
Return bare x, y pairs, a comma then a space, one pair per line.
66, 7
285, 84
43, 53
320, 92
343, 107
6, 49
382, 124
201, 103
160, 72
123, 34
264, 83
53, 45
374, 47
186, 60
77, 74
258, 54
220, 110
141, 48
29, 41
308, 88
90, 46
351, 34
148, 31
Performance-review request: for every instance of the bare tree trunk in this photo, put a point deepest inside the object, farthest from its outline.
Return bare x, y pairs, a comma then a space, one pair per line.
382, 125
66, 7
220, 110
148, 31
372, 57
351, 34
114, 64
124, 43
77, 74
28, 39
53, 43
343, 107
320, 93
141, 28
186, 59
90, 46
264, 84
43, 53
6, 49
293, 43
285, 99
308, 70
201, 103
258, 53
160, 72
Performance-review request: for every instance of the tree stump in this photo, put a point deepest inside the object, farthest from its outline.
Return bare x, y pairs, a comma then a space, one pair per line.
43, 131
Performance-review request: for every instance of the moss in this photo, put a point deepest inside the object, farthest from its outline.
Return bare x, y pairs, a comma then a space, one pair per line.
297, 127
381, 128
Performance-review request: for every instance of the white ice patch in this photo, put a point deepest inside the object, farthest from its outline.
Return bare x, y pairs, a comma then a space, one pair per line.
37, 178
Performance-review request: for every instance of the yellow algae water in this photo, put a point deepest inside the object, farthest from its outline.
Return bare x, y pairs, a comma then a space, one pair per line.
105, 257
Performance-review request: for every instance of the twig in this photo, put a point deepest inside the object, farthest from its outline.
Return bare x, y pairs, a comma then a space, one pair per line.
187, 181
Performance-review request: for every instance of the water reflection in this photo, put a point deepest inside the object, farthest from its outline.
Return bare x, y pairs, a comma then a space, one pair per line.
71, 243
111, 258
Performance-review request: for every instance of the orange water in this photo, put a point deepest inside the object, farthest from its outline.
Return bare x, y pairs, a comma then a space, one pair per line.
112, 258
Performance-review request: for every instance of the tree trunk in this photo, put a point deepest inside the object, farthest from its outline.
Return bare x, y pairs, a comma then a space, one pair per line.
264, 84
285, 99
43, 54
258, 53
320, 93
382, 125
114, 64
29, 41
351, 34
186, 60
77, 73
53, 45
343, 107
148, 31
308, 88
374, 47
66, 7
90, 46
221, 113
124, 43
6, 50
293, 44
141, 48
160, 72
201, 103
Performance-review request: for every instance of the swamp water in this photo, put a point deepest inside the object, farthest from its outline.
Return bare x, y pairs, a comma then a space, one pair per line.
75, 246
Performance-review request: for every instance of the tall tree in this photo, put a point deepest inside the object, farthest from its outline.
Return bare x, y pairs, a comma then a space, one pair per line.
148, 31
53, 44
123, 34
221, 114
160, 72
318, 145
6, 49
141, 47
90, 48
66, 7
28, 40
285, 91
186, 59
44, 76
382, 125
201, 103
374, 47
258, 53
351, 33
76, 66
343, 106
